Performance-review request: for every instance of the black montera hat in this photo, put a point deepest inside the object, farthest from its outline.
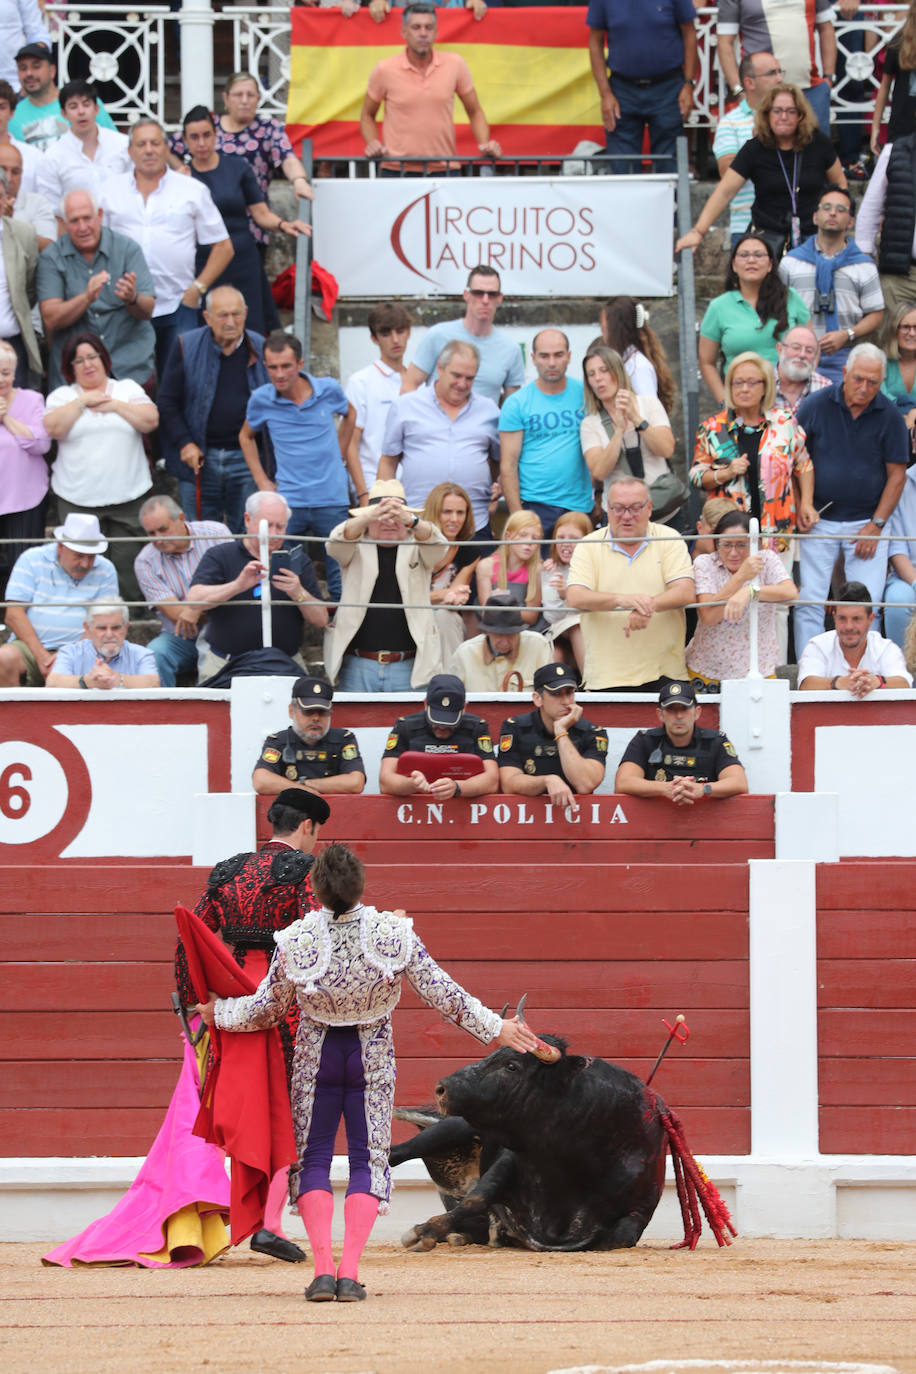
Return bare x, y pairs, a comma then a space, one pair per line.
309, 805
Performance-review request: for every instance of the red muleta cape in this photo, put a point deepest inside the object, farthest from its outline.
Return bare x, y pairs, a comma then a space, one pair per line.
245, 1102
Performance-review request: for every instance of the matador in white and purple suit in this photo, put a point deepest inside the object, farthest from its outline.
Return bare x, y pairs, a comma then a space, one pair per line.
345, 971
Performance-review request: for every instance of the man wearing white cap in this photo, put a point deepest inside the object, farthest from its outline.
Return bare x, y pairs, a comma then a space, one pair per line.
53, 584
385, 638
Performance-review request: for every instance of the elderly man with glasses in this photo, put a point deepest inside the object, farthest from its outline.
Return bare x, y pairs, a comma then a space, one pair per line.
633, 579
860, 446
797, 375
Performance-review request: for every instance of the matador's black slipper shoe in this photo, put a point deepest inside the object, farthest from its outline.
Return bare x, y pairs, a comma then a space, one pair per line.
348, 1290
278, 1247
323, 1288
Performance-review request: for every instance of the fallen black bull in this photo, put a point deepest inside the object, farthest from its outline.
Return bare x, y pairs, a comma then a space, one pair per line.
554, 1151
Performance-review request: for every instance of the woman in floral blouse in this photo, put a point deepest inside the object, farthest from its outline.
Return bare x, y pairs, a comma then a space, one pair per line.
752, 450
257, 138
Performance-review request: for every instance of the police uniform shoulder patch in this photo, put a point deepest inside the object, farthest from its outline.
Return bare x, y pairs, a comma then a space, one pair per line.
601, 743
270, 755
729, 748
350, 751
485, 744
391, 741
505, 743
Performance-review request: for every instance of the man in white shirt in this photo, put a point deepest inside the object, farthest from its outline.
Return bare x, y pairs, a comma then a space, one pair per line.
86, 155
26, 205
853, 657
31, 157
372, 390
168, 214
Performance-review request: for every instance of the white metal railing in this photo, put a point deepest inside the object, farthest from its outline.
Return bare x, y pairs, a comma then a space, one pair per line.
125, 47
119, 46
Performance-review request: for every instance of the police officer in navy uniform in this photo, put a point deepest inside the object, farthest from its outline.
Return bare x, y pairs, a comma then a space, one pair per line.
249, 897
552, 749
444, 727
311, 753
677, 759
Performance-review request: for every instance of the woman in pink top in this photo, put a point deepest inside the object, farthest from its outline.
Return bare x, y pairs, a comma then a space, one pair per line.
23, 444
733, 577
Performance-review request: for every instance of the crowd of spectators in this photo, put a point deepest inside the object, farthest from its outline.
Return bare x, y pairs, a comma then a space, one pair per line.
463, 522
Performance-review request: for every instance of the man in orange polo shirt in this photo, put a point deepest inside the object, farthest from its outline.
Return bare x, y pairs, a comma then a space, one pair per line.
418, 87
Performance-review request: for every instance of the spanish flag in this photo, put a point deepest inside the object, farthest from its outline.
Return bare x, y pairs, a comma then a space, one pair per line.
530, 69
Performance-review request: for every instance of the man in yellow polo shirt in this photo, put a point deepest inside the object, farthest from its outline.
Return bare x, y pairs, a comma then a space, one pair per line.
418, 87
633, 579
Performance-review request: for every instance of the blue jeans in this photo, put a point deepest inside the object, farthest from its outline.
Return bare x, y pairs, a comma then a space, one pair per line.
818, 97
641, 105
897, 617
367, 675
168, 327
173, 655
817, 558
319, 520
225, 485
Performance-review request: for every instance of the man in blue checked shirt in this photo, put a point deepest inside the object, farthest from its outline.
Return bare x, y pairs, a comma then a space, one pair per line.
53, 584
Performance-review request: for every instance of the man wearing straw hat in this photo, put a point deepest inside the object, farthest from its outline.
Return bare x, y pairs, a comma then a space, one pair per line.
53, 584
385, 637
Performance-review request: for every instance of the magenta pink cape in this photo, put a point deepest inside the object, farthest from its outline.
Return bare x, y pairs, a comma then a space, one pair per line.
174, 1213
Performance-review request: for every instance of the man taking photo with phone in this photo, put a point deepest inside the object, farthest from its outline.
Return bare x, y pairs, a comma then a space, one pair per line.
229, 584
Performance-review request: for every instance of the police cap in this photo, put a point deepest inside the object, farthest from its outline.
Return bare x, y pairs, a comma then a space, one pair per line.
554, 677
677, 694
313, 693
445, 698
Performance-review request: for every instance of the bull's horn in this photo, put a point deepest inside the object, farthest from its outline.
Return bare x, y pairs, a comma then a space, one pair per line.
548, 1054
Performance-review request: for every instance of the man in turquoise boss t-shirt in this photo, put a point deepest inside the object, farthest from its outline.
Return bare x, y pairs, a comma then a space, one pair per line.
37, 118
541, 464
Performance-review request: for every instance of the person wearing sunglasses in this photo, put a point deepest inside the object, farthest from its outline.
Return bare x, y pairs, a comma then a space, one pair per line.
502, 368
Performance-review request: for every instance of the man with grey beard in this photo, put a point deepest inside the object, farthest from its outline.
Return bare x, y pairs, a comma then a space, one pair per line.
311, 753
796, 374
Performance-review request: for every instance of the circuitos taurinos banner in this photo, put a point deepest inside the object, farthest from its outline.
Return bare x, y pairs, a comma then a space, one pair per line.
582, 236
530, 70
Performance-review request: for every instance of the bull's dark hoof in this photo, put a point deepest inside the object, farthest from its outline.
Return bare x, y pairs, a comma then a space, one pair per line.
278, 1247
323, 1288
348, 1290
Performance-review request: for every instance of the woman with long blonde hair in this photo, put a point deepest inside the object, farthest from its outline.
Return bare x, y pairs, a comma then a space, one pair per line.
516, 566
448, 506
